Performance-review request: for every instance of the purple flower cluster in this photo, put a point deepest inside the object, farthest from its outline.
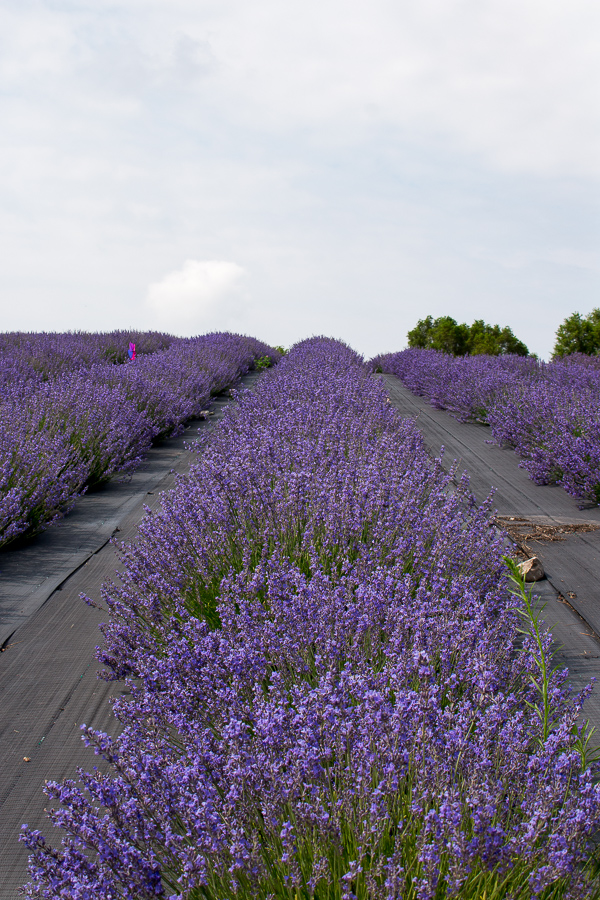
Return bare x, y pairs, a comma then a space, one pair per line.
548, 412
465, 385
327, 693
43, 355
65, 428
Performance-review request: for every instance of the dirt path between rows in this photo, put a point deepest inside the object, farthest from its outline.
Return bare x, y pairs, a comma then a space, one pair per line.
571, 561
48, 682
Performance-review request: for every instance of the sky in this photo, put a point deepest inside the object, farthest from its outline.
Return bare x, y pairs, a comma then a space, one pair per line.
285, 169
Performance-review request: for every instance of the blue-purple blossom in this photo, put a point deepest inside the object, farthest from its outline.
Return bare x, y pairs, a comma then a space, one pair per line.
548, 412
325, 694
71, 416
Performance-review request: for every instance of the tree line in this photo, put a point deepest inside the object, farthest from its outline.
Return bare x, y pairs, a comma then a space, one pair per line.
577, 334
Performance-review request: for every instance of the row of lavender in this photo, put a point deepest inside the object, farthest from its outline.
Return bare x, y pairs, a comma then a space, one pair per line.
324, 695
548, 412
41, 356
68, 420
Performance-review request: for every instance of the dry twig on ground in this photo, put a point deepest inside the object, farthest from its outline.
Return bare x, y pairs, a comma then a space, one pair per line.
521, 531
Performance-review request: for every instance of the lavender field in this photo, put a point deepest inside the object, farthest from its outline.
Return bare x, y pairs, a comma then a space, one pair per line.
336, 689
548, 412
74, 411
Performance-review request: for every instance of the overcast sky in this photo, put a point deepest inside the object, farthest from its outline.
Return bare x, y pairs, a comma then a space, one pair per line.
294, 168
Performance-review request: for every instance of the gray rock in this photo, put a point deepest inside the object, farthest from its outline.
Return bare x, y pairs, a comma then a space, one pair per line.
532, 569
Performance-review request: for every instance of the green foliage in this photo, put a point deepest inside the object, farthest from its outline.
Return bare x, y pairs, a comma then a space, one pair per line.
461, 340
265, 362
578, 334
439, 334
533, 628
493, 340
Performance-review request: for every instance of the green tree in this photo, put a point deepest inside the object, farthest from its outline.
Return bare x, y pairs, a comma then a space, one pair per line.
460, 340
493, 340
420, 335
578, 334
440, 334
450, 336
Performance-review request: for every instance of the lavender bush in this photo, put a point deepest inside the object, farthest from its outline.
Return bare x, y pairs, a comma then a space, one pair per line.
330, 696
44, 355
70, 429
465, 385
548, 412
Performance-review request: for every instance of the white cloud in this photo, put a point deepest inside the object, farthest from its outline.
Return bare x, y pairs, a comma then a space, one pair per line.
202, 294
367, 163
513, 81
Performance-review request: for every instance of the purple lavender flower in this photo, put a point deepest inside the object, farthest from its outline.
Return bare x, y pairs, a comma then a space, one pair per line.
548, 412
70, 419
324, 694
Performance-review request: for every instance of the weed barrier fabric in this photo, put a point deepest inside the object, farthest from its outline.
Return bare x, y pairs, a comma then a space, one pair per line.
328, 693
48, 681
572, 565
549, 413
64, 432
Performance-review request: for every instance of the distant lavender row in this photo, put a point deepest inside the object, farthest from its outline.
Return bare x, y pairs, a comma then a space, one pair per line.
548, 412
41, 356
75, 429
325, 698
